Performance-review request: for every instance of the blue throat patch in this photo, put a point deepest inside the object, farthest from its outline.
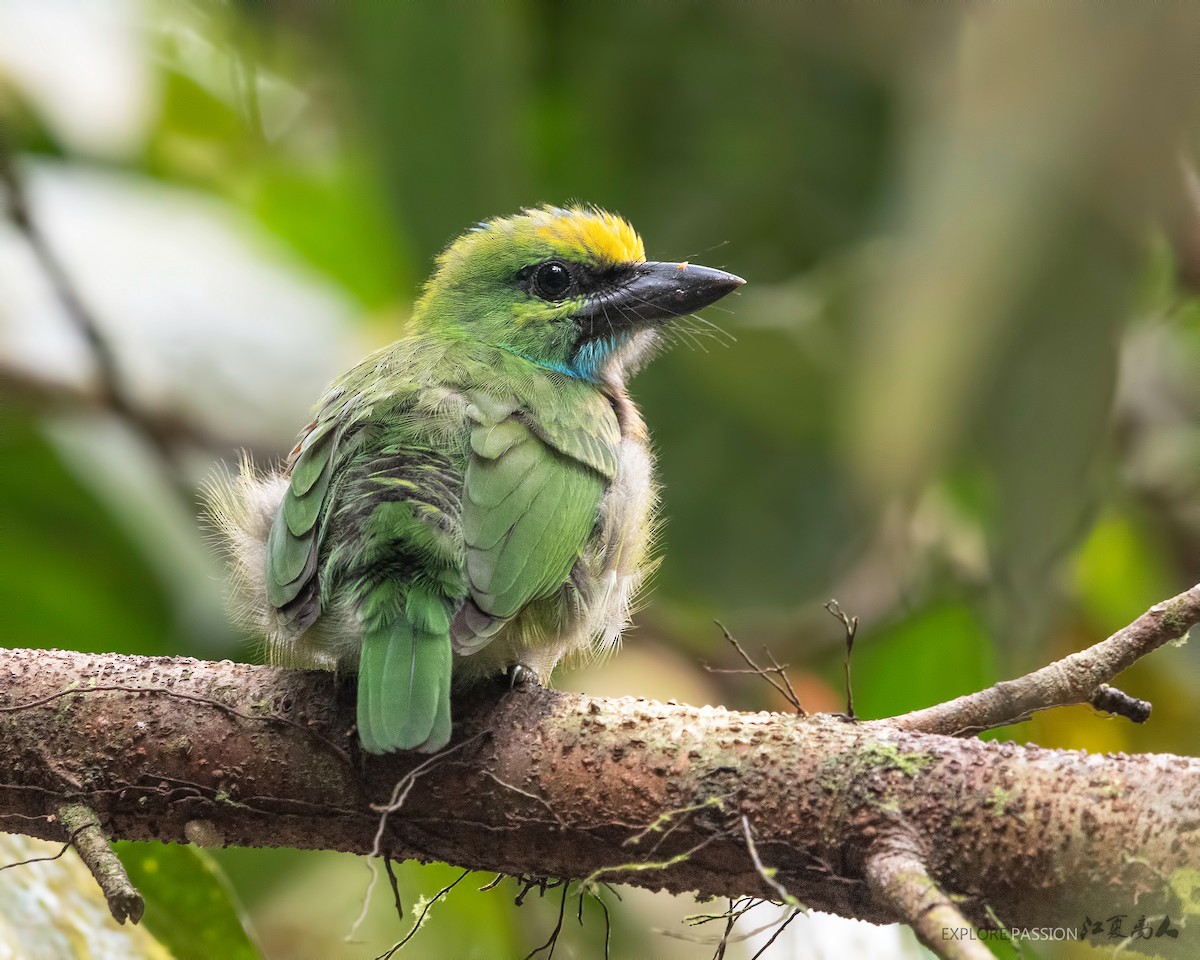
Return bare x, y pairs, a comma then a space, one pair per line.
588, 361
594, 355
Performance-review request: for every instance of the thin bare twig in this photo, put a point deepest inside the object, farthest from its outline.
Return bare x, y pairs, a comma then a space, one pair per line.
737, 909
420, 921
607, 919
21, 863
583, 895
767, 873
783, 685
850, 625
400, 792
391, 875
775, 936
723, 944
529, 884
554, 934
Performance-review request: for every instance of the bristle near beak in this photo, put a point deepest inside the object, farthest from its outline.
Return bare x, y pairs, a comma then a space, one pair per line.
659, 291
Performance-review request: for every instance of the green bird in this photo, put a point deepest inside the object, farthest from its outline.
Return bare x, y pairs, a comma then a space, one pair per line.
479, 496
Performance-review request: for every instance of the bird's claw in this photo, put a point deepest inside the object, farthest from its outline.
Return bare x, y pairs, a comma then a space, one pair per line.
520, 675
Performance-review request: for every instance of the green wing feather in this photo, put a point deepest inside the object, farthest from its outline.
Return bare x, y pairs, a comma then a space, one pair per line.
294, 541
582, 426
527, 514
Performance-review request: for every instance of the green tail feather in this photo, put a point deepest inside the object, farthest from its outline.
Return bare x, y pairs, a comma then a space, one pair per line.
404, 688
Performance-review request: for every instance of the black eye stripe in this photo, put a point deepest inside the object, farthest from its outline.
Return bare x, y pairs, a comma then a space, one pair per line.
557, 280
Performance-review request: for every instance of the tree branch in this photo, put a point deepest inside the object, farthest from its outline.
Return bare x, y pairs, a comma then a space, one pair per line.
897, 874
21, 217
40, 394
559, 785
1183, 225
1072, 680
83, 827
164, 433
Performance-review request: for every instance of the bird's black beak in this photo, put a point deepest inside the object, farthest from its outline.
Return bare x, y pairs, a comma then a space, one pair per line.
654, 292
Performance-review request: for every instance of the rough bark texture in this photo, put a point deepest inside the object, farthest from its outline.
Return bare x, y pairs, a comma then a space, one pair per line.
563, 785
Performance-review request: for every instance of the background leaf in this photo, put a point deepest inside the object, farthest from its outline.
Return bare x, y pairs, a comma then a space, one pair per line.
190, 906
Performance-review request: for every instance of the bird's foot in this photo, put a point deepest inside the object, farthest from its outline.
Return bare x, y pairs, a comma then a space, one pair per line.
520, 675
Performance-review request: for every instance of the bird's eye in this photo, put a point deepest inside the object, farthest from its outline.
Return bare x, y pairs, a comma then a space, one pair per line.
552, 281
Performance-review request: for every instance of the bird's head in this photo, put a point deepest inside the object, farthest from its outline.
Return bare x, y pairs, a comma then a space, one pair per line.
569, 289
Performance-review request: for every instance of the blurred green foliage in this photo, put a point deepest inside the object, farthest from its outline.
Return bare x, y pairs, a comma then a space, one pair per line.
963, 396
190, 908
71, 576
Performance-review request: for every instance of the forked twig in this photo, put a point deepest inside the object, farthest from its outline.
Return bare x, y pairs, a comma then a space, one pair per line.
776, 670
